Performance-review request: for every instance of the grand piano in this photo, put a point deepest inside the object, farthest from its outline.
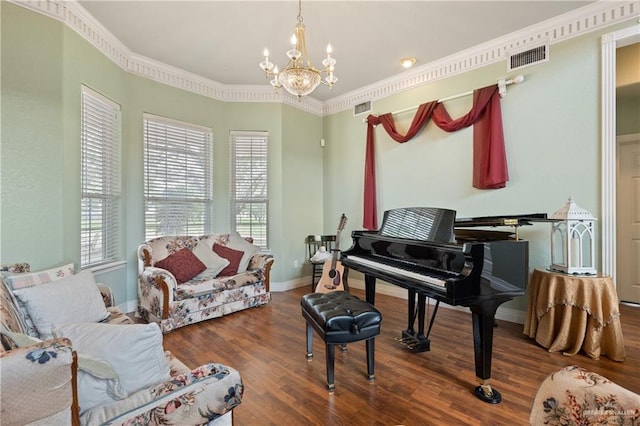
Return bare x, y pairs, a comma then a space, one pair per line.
431, 254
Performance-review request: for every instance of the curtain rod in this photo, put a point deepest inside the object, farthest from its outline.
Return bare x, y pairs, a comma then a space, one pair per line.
502, 89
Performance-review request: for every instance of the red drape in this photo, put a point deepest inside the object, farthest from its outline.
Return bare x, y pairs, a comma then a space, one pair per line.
489, 156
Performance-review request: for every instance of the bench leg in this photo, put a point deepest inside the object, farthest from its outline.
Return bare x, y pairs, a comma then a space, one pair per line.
309, 341
330, 353
370, 358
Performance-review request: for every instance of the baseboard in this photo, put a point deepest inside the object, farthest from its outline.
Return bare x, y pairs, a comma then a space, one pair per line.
129, 306
290, 285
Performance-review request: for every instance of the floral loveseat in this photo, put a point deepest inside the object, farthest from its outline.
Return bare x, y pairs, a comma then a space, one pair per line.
187, 279
56, 381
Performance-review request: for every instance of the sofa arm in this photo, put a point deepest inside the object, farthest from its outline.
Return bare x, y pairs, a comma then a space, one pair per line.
38, 383
194, 398
144, 257
155, 291
107, 295
263, 262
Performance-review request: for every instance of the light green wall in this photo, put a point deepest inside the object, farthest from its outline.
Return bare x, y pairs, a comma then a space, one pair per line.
551, 127
302, 188
32, 159
44, 64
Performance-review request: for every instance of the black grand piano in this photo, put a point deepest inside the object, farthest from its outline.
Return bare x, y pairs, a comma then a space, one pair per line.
433, 255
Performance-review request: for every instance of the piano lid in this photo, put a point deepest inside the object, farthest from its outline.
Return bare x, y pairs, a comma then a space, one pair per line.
419, 223
504, 220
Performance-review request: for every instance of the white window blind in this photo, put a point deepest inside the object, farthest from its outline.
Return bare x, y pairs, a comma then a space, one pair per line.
177, 177
249, 185
100, 180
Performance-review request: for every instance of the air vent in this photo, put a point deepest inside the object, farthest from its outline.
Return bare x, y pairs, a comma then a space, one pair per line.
528, 57
362, 108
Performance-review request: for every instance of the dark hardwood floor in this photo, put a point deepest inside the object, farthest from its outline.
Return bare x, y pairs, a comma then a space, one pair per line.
267, 346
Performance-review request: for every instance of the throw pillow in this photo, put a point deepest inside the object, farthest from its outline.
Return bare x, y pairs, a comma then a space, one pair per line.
18, 281
134, 351
214, 263
183, 264
233, 256
237, 242
73, 299
98, 383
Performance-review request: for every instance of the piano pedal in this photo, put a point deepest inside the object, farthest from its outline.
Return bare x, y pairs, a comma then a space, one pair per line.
421, 346
403, 341
413, 343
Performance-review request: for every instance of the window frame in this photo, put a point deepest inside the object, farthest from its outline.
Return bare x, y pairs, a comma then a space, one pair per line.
258, 230
185, 159
100, 178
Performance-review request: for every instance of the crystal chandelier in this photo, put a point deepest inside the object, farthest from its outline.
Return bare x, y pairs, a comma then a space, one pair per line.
299, 77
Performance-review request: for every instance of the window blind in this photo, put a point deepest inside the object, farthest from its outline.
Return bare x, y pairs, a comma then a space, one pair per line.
249, 185
177, 177
100, 179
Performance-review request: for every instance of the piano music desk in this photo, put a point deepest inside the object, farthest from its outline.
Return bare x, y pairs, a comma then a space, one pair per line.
569, 312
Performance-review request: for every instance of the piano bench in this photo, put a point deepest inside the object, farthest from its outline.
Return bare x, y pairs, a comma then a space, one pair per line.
340, 318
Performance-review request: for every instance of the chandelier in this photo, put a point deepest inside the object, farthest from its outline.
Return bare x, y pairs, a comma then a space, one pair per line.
299, 77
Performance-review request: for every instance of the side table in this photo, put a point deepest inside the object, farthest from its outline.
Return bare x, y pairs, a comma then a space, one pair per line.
568, 313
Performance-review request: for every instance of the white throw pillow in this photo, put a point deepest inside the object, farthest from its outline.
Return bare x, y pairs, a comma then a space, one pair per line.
73, 299
210, 258
133, 350
98, 383
236, 242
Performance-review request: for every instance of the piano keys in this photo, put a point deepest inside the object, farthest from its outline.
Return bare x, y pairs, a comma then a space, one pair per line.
420, 250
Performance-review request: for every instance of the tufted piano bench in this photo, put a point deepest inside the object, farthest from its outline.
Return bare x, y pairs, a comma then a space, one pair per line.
340, 318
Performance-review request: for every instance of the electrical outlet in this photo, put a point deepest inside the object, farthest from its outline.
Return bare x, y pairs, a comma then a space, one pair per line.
296, 264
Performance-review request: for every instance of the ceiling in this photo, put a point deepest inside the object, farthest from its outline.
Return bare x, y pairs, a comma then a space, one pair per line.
223, 40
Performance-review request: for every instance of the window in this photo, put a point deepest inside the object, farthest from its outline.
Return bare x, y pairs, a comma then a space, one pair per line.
177, 177
100, 180
249, 182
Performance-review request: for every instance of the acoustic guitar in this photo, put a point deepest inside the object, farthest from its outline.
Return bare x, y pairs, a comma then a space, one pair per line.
331, 279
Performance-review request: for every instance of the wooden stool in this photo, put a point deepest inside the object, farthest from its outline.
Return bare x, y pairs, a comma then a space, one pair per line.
340, 318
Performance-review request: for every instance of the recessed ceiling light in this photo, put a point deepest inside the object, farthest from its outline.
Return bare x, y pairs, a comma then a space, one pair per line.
407, 62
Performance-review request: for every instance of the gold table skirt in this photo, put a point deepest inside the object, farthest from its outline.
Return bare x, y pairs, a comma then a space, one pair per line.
568, 313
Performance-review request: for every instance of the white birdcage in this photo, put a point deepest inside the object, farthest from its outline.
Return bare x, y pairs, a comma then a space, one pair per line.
572, 240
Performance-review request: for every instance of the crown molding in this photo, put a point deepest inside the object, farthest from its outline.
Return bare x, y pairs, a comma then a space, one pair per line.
581, 21
561, 28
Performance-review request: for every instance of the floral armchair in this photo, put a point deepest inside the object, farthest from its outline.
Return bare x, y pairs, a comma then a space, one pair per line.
575, 396
42, 381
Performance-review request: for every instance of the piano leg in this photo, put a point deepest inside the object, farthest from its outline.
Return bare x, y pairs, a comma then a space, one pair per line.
483, 319
370, 288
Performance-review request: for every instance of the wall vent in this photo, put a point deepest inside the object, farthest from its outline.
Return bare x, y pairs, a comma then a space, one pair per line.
517, 60
362, 108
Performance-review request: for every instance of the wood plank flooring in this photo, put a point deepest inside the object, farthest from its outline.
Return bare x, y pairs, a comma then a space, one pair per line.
267, 345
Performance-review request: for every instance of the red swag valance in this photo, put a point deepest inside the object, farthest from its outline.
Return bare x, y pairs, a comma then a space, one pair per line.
489, 157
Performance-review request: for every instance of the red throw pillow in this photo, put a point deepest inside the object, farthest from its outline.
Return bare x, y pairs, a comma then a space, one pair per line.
233, 256
183, 264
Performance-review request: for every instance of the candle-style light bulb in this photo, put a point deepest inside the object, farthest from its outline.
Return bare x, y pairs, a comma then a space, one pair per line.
329, 49
266, 52
294, 39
